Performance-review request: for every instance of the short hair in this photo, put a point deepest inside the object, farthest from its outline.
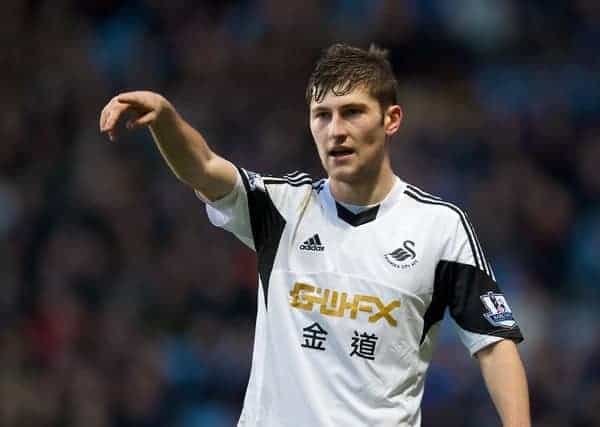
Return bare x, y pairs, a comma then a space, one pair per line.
342, 68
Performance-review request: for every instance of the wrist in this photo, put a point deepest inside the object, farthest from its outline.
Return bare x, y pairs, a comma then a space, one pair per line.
166, 116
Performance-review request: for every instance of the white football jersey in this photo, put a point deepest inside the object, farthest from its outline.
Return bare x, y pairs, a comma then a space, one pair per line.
349, 304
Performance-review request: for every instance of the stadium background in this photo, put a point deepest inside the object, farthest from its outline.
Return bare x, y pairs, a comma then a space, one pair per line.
121, 306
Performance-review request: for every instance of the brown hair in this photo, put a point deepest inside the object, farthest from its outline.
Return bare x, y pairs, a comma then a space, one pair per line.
342, 68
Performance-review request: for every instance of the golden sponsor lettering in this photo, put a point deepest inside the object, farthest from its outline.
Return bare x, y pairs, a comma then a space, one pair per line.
339, 304
297, 292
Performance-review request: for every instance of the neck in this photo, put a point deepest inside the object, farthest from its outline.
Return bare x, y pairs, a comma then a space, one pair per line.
366, 190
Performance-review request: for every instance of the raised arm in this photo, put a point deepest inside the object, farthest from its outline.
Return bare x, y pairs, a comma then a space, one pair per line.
505, 378
184, 149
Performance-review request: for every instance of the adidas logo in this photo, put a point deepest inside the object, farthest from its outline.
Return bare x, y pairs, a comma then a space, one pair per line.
312, 244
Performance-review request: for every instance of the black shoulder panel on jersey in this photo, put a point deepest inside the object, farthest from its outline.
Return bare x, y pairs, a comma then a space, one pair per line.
267, 228
439, 302
462, 288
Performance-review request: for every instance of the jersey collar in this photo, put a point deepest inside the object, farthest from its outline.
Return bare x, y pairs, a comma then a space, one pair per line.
368, 215
356, 219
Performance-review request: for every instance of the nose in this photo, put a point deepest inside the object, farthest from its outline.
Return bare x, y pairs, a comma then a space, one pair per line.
337, 130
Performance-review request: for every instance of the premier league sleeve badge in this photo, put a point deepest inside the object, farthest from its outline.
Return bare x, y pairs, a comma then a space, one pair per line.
498, 312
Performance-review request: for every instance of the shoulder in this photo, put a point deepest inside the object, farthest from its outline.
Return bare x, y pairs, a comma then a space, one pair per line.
292, 179
296, 179
457, 228
299, 182
286, 192
260, 181
432, 205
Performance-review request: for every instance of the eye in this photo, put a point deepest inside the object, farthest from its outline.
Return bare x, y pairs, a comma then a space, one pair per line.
322, 115
350, 112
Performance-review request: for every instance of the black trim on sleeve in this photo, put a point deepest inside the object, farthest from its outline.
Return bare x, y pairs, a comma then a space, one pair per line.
267, 228
463, 286
437, 307
295, 179
291, 183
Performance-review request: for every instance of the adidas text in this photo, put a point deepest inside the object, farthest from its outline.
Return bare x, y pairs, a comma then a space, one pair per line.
312, 247
312, 244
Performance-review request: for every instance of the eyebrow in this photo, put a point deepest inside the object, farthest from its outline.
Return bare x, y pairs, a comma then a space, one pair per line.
359, 105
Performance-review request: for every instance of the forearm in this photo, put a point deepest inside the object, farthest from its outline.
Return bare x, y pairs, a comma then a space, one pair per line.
183, 148
189, 156
506, 381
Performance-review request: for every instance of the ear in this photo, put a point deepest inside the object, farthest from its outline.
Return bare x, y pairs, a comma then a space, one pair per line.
392, 119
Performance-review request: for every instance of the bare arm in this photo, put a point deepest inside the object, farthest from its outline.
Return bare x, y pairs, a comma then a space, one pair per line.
184, 149
505, 378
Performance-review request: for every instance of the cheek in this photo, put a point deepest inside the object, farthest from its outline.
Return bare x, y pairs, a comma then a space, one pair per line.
373, 144
319, 142
322, 153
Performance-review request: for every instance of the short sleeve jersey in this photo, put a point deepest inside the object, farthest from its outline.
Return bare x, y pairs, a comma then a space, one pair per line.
349, 304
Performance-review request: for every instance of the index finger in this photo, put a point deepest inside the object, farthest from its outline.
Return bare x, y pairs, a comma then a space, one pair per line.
105, 113
135, 99
111, 115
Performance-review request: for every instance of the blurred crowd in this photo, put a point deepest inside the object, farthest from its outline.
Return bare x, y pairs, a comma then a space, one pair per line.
121, 306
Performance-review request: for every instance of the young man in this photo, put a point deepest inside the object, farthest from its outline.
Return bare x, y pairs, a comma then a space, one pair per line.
355, 270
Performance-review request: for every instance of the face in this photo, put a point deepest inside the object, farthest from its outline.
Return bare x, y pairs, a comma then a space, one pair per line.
350, 132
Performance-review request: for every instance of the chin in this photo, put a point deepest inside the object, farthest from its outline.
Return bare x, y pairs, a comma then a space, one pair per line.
343, 174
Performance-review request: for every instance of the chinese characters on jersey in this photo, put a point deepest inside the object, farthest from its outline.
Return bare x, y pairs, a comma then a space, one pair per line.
362, 344
314, 337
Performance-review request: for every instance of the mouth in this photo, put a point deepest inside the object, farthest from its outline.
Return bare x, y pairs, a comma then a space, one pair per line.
340, 153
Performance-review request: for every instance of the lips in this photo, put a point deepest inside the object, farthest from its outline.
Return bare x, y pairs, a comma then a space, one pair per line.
340, 151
